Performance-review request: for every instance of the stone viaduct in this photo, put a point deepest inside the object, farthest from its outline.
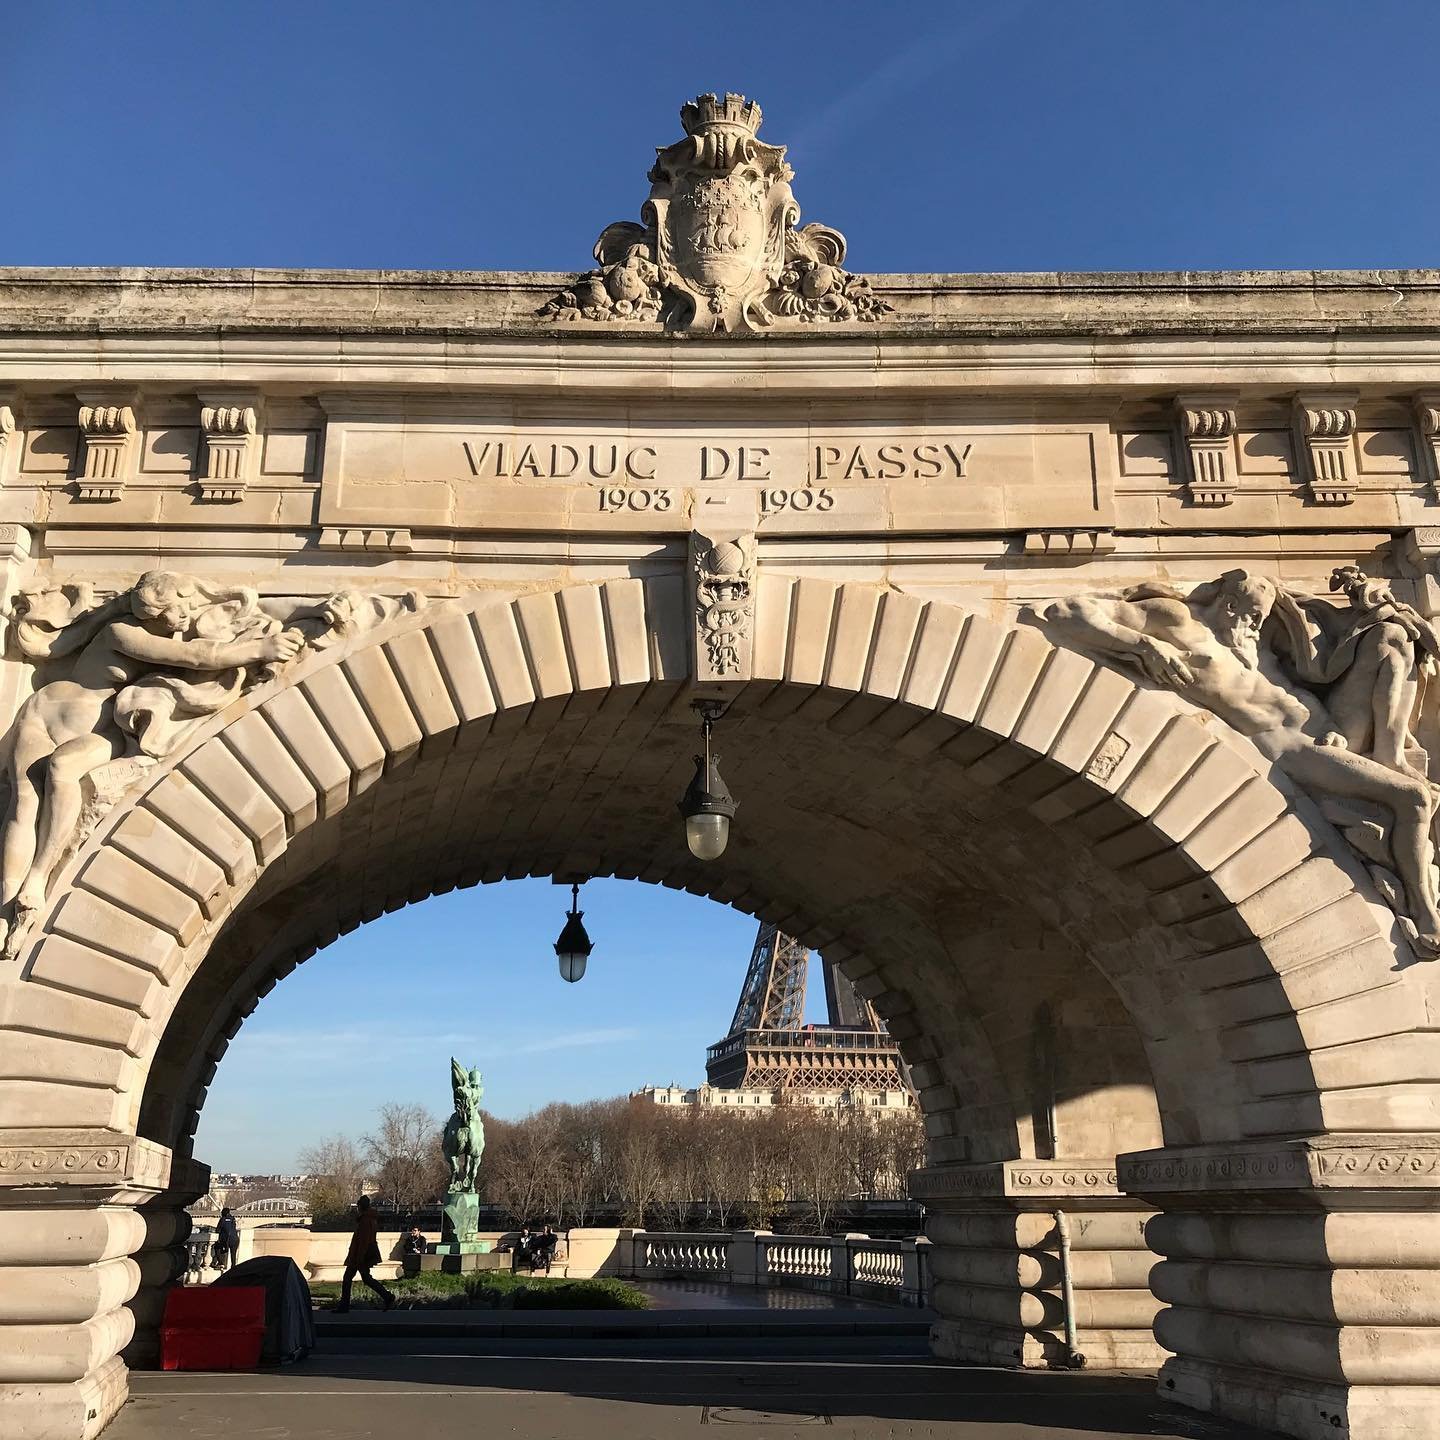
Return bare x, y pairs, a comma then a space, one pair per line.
1073, 636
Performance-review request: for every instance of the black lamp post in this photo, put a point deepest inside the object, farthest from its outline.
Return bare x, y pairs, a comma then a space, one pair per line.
708, 806
573, 947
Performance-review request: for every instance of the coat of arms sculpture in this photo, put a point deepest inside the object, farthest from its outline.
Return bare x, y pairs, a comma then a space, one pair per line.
719, 249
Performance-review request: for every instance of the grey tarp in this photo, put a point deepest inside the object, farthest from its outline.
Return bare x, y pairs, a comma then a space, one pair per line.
289, 1326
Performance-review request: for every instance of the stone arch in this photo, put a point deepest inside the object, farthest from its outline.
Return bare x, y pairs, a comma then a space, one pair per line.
1246, 948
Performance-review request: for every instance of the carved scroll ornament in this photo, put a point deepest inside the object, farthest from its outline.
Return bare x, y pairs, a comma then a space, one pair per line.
719, 249
1328, 689
125, 682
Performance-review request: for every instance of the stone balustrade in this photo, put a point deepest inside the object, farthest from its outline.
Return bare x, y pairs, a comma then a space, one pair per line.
885, 1270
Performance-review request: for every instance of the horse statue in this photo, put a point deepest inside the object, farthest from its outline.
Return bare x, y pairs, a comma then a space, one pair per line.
464, 1138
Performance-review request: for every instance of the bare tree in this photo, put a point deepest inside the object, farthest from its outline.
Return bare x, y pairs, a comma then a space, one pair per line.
338, 1172
639, 1163
819, 1161
518, 1168
402, 1153
727, 1163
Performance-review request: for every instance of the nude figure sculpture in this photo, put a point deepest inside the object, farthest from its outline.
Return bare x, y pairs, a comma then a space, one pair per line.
1207, 646
133, 675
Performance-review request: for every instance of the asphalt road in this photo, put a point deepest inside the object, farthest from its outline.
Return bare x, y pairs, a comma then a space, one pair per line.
355, 1389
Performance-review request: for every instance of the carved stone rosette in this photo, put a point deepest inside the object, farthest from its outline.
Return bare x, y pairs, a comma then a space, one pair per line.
719, 249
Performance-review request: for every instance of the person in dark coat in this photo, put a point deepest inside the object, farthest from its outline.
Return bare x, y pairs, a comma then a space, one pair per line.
363, 1253
227, 1238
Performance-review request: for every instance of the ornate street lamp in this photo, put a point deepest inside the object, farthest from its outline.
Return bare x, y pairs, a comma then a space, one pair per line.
708, 807
573, 947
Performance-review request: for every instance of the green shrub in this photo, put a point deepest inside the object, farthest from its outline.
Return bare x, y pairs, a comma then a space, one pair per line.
539, 1292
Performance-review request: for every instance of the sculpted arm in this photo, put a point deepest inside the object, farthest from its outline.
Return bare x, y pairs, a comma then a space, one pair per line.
1144, 631
135, 640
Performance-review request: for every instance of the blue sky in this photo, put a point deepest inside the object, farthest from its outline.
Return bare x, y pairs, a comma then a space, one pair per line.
970, 135
961, 135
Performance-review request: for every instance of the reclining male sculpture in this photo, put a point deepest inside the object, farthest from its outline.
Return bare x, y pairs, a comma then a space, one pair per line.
1355, 749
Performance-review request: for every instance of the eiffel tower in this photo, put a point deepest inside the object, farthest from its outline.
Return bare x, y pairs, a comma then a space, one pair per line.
769, 1047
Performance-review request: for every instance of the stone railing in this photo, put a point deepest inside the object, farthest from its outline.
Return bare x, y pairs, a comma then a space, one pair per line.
679, 1254
897, 1271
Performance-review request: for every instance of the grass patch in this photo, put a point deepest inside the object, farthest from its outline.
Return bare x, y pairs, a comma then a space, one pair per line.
500, 1288
490, 1290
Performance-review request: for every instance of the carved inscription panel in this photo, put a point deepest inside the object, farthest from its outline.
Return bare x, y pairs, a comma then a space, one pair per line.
668, 471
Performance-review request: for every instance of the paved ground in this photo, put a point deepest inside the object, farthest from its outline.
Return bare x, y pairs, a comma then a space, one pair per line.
678, 1309
861, 1387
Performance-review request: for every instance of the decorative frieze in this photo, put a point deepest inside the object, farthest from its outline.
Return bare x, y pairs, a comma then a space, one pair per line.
1400, 1162
229, 425
1017, 1179
108, 429
1325, 445
1206, 426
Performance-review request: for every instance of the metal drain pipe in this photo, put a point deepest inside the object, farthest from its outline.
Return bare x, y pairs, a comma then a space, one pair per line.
1073, 1360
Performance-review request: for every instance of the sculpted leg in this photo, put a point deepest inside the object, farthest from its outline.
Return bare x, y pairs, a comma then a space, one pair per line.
1339, 773
69, 765
32, 749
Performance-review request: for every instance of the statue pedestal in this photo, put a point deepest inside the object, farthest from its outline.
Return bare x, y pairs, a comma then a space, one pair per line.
450, 1261
459, 1228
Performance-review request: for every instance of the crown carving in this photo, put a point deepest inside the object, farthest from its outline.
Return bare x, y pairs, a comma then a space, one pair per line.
719, 249
707, 110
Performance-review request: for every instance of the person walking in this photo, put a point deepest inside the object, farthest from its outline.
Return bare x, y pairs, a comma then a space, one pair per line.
227, 1237
363, 1253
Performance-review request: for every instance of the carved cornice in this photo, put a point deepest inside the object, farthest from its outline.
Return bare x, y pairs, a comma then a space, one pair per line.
1325, 445
1206, 427
1359, 1162
229, 425
107, 426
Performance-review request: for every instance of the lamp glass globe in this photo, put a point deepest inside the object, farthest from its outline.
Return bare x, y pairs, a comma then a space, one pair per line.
707, 835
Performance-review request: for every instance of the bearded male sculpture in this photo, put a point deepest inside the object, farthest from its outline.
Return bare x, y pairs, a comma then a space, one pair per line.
1208, 646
